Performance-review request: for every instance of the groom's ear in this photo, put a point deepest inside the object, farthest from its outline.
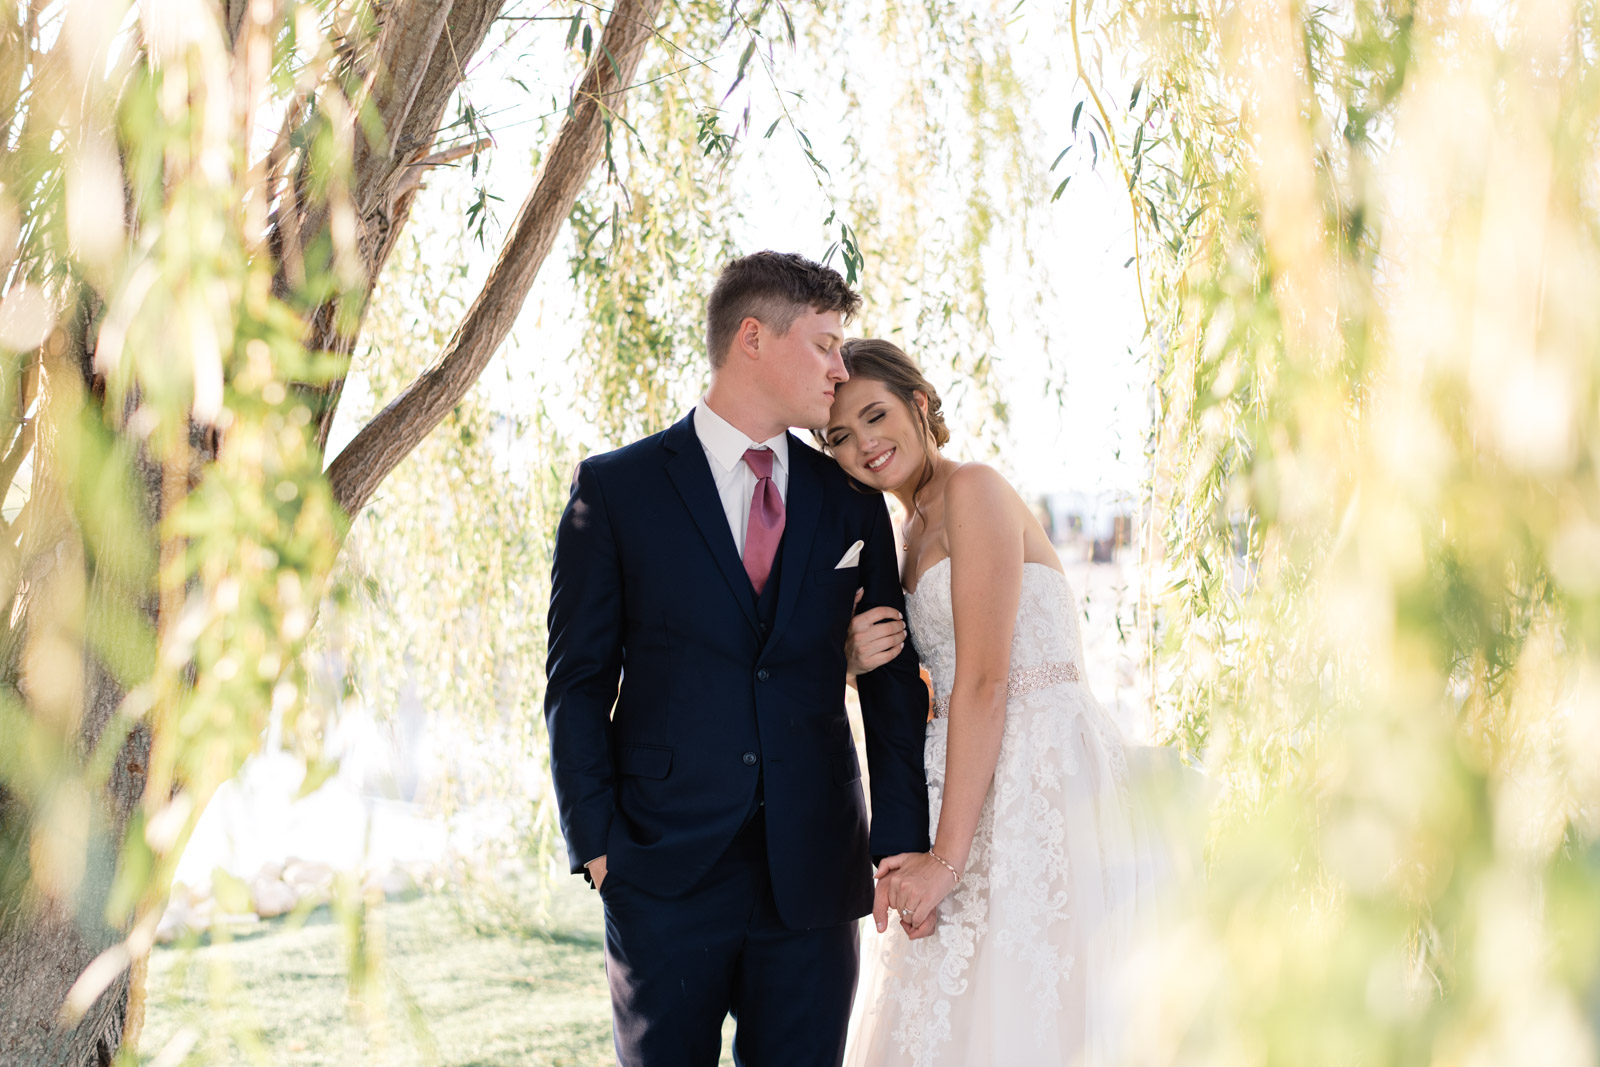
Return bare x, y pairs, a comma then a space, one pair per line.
747, 339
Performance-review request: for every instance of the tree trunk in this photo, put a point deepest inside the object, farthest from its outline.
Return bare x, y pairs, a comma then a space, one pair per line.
55, 936
55, 928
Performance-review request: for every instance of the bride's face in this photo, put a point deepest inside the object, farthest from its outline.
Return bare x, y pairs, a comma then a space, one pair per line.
874, 436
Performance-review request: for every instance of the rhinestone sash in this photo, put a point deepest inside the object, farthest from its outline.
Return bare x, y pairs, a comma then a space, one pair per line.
1023, 682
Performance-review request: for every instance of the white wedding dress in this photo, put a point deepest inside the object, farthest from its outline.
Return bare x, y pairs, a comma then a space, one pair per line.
1029, 963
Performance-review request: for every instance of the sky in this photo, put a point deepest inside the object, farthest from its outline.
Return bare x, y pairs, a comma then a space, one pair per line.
1089, 443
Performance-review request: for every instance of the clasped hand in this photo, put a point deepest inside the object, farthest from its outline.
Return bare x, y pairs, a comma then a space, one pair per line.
876, 637
912, 884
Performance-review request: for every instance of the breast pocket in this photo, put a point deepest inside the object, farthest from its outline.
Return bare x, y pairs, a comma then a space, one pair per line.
840, 576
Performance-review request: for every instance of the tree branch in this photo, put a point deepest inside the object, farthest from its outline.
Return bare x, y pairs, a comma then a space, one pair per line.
413, 177
382, 211
389, 437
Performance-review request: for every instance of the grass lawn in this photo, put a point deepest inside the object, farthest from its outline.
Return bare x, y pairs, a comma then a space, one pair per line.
440, 993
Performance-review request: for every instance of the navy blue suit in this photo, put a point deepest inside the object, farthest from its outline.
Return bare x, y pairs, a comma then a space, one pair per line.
699, 741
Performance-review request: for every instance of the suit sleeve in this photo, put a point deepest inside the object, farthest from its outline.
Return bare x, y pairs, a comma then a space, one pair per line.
583, 668
894, 710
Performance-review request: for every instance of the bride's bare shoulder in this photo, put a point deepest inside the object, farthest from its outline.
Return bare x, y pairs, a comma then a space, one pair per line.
977, 488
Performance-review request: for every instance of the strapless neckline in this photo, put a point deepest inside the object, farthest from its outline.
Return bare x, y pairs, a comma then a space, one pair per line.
923, 577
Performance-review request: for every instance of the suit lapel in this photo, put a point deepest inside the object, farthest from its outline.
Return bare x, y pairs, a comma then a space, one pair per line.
801, 509
691, 476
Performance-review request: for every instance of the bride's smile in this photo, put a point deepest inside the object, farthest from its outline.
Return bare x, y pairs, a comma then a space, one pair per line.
873, 435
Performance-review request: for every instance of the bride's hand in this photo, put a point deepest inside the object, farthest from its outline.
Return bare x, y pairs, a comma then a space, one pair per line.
875, 638
912, 884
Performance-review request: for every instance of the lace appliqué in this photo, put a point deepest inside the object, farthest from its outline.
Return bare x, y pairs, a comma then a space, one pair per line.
1016, 900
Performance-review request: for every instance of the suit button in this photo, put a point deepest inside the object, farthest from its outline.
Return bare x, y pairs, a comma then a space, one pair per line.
761, 675
749, 759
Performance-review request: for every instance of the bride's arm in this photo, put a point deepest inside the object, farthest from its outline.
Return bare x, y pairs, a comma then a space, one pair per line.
986, 547
985, 530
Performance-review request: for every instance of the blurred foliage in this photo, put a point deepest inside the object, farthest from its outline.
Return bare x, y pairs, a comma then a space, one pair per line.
446, 581
651, 238
943, 178
1370, 247
160, 588
926, 190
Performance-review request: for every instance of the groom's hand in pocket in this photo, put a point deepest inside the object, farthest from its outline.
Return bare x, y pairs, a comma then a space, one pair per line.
876, 636
597, 870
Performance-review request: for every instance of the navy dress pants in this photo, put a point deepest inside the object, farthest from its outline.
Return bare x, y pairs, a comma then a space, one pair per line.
679, 966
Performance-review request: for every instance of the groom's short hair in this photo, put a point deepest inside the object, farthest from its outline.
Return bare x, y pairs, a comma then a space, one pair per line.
773, 287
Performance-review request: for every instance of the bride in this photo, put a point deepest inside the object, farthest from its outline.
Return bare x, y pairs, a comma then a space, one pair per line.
1016, 926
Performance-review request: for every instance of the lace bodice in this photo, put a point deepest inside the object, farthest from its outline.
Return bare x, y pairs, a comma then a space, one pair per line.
1046, 634
1013, 973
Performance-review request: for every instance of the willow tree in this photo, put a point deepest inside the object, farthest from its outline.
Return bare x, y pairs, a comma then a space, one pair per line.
196, 200
1370, 241
452, 586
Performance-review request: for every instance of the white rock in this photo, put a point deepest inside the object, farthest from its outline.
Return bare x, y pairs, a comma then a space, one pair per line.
177, 922
272, 897
304, 875
390, 883
185, 894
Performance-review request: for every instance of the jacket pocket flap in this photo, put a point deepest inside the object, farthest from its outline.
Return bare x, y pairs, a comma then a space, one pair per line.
646, 761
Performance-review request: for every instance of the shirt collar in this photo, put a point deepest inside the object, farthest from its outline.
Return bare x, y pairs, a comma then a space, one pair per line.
727, 443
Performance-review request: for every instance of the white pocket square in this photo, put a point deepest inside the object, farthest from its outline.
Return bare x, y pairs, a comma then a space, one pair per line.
852, 556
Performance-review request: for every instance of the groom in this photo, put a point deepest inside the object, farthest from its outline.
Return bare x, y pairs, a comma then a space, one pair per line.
701, 591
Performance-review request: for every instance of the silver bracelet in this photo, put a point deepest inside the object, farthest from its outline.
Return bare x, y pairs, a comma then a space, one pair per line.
947, 866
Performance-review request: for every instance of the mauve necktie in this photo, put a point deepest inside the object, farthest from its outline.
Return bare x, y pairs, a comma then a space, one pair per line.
765, 528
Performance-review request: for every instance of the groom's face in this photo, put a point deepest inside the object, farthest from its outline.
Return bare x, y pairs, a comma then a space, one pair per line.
803, 367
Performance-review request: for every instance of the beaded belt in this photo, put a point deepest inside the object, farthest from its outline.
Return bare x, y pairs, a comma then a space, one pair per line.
1023, 682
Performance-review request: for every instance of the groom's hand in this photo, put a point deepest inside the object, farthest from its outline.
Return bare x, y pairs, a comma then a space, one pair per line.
875, 638
597, 870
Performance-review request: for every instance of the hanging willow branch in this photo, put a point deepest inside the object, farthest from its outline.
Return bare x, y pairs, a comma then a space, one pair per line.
386, 440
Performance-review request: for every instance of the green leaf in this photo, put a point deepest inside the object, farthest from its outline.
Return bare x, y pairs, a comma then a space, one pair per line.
1059, 158
612, 60
744, 63
1060, 189
1076, 112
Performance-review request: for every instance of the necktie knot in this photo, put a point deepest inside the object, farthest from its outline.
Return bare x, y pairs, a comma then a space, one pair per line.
759, 460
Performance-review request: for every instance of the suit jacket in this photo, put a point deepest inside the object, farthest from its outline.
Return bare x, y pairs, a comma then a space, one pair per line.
666, 703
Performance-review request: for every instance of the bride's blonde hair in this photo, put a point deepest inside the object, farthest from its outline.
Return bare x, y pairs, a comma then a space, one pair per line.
876, 360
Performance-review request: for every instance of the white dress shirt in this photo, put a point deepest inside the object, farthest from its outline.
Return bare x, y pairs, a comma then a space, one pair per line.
725, 445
